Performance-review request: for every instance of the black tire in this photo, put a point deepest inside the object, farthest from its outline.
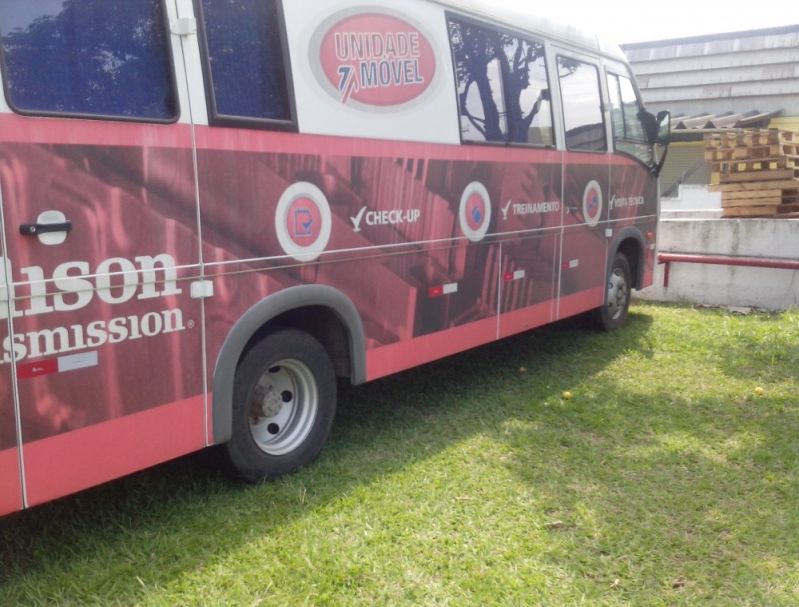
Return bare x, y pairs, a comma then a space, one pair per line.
613, 314
284, 402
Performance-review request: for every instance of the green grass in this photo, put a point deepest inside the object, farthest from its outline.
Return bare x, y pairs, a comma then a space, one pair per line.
665, 481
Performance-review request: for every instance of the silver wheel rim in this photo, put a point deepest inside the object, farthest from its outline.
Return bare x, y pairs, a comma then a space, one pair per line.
618, 291
283, 406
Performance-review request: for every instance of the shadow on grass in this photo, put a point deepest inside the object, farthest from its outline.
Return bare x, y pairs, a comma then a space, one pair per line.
184, 515
680, 503
686, 498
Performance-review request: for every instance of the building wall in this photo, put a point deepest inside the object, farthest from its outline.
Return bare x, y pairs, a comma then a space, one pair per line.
684, 165
736, 72
719, 285
790, 123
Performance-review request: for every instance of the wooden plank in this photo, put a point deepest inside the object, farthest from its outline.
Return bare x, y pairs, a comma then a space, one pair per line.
760, 164
752, 194
756, 202
744, 153
749, 138
718, 178
789, 149
755, 185
750, 212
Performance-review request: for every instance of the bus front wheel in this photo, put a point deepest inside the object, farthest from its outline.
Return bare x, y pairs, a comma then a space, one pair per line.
613, 314
284, 403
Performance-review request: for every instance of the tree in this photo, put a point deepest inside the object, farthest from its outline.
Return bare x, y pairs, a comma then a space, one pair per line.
515, 59
91, 57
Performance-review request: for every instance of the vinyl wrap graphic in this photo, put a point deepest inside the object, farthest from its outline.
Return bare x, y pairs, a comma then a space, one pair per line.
376, 60
144, 349
396, 249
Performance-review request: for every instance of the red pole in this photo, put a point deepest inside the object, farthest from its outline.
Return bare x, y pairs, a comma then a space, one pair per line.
720, 260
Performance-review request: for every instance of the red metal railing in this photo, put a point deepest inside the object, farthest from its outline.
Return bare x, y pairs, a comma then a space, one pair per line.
720, 260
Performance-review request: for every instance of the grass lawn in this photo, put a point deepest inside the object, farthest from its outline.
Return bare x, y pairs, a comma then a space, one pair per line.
665, 480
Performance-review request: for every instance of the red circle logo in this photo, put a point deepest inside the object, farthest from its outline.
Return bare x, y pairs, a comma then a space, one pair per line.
376, 59
475, 212
304, 221
593, 203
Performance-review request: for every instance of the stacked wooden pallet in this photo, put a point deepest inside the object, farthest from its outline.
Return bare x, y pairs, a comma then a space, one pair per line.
756, 171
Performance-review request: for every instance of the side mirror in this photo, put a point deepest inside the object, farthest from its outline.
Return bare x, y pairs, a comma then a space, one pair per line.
650, 126
663, 128
660, 143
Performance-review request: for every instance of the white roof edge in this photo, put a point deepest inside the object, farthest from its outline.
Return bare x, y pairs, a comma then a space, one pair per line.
532, 22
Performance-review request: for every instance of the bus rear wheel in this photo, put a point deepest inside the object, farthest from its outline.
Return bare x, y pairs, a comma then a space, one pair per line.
613, 314
284, 402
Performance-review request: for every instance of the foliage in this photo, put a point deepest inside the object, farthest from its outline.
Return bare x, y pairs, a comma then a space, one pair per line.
666, 479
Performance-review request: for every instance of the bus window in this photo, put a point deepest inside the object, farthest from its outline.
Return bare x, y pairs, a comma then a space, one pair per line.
527, 86
582, 105
246, 61
503, 90
88, 58
628, 131
478, 68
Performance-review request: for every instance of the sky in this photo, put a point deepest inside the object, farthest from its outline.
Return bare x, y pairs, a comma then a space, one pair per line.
623, 21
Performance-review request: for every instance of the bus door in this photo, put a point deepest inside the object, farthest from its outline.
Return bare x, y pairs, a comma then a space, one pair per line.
633, 177
100, 221
585, 185
10, 484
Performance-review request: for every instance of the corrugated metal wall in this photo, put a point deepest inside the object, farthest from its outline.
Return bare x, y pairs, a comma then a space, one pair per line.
738, 72
685, 165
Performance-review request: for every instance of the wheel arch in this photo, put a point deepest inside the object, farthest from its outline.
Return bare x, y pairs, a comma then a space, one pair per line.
630, 241
332, 318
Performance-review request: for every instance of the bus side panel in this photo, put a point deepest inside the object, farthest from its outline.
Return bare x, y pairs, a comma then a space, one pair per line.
84, 458
10, 488
530, 212
584, 252
415, 243
106, 327
635, 202
10, 485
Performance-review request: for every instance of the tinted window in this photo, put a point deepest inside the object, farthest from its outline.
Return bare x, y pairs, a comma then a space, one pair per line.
478, 68
88, 57
245, 54
529, 111
631, 109
628, 130
503, 92
616, 114
582, 105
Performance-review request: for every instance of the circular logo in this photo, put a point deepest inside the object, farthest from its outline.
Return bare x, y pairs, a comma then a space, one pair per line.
475, 211
303, 222
592, 203
375, 59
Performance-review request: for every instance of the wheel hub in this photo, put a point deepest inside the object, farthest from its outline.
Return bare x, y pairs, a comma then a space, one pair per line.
617, 294
283, 405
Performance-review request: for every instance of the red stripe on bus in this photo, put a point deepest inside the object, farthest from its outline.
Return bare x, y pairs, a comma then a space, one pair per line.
58, 131
10, 490
386, 360
525, 319
66, 131
248, 140
571, 305
394, 358
77, 460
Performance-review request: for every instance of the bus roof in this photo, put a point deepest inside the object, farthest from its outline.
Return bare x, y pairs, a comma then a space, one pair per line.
531, 21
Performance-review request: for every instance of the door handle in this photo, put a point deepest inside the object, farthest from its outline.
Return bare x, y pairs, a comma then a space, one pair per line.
34, 229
